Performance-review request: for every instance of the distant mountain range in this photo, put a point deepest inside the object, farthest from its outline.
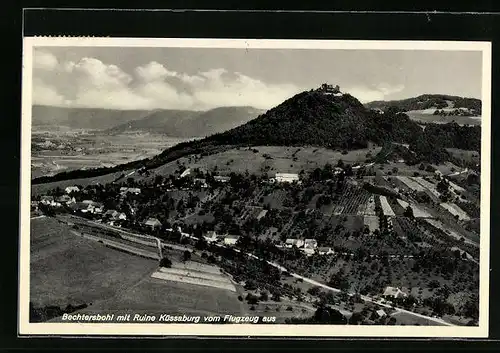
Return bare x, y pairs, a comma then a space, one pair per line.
175, 123
319, 118
429, 101
184, 123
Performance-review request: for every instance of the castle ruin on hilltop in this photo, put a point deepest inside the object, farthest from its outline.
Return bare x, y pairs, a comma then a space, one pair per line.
329, 89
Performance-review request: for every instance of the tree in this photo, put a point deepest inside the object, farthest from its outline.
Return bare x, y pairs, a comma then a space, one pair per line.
186, 256
408, 212
356, 318
165, 262
314, 291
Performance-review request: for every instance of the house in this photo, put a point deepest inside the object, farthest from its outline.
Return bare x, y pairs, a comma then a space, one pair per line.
394, 292
310, 244
153, 223
231, 239
34, 205
185, 173
79, 206
122, 216
290, 242
125, 190
286, 177
380, 313
337, 170
71, 189
201, 181
135, 191
47, 200
222, 179
308, 251
66, 199
261, 214
211, 236
325, 250
112, 214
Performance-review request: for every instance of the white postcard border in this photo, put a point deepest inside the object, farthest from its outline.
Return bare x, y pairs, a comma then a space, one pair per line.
25, 328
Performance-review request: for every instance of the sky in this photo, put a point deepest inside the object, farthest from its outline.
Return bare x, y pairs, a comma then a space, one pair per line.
200, 78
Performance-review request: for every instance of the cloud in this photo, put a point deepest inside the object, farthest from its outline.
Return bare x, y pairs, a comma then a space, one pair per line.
43, 60
44, 94
370, 94
93, 83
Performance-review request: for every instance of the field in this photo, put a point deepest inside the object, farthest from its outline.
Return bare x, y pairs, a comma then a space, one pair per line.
62, 150
269, 159
66, 269
418, 212
423, 116
386, 208
455, 211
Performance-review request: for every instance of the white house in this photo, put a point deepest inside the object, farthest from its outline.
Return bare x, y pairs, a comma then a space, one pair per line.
71, 189
394, 292
201, 181
222, 178
125, 190
231, 239
290, 242
381, 313
211, 236
308, 251
286, 177
153, 223
310, 244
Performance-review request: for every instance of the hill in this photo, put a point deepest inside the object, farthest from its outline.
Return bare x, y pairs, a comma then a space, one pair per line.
429, 101
183, 123
82, 118
317, 118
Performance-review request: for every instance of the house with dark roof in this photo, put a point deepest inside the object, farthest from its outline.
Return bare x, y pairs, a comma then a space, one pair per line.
153, 223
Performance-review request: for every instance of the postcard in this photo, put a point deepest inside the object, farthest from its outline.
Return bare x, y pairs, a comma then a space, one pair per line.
231, 187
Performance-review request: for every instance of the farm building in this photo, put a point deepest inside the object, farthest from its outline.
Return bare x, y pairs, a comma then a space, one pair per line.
221, 178
310, 244
185, 173
153, 223
324, 250
380, 313
231, 239
286, 177
71, 189
290, 242
394, 292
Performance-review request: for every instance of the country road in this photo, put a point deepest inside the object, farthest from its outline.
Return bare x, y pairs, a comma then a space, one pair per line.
276, 265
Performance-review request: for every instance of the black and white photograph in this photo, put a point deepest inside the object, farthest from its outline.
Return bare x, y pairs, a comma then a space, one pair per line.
217, 187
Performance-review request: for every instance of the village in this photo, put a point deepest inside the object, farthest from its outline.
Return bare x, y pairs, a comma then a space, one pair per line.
345, 214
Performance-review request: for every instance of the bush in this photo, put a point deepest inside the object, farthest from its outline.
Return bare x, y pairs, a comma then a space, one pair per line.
165, 262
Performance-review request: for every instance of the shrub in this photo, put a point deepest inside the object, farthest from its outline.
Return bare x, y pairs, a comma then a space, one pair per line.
165, 262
